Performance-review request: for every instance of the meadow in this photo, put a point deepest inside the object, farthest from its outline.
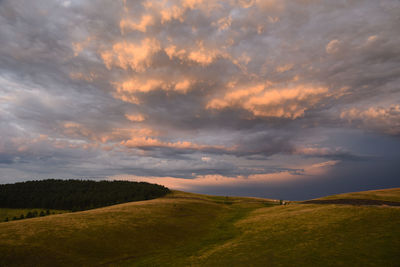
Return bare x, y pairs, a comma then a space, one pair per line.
185, 229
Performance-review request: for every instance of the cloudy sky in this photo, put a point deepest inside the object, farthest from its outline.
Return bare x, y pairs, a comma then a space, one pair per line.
273, 98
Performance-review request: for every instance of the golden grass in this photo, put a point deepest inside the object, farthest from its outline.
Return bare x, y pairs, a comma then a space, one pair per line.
392, 194
313, 235
184, 229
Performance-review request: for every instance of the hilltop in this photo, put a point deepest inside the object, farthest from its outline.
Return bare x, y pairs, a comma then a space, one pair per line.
185, 229
75, 194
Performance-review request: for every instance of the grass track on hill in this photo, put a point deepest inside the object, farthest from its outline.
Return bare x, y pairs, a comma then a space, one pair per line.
186, 229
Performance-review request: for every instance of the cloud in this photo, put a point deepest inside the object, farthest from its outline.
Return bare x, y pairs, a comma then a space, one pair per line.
135, 117
193, 88
131, 55
152, 143
264, 101
146, 20
381, 119
311, 171
332, 47
206, 159
130, 90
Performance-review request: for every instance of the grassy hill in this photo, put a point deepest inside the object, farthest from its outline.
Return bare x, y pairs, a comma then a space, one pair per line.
392, 194
184, 229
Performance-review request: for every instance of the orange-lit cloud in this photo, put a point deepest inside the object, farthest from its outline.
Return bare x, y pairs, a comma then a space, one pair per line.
79, 46
128, 90
264, 100
89, 77
148, 142
202, 56
223, 23
127, 24
77, 130
275, 6
197, 53
135, 117
332, 47
183, 86
375, 118
312, 151
309, 171
372, 39
136, 56
81, 132
176, 10
284, 68
172, 52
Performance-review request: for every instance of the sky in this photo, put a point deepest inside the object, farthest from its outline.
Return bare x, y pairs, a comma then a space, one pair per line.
270, 98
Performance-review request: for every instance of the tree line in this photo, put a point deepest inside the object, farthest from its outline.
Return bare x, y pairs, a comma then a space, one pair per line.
30, 214
76, 195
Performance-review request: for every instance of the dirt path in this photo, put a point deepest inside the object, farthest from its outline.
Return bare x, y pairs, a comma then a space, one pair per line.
354, 201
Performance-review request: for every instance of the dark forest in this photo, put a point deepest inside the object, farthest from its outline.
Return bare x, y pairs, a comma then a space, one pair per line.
76, 195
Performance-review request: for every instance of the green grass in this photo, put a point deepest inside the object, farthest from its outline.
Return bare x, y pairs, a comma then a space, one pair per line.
313, 235
11, 213
185, 229
392, 194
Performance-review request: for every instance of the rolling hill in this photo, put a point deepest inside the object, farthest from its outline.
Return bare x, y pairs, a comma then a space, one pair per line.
185, 229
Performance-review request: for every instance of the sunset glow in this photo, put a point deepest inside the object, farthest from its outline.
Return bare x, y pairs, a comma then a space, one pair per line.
265, 98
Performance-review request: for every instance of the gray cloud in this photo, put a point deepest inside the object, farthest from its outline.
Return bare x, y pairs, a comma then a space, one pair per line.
149, 89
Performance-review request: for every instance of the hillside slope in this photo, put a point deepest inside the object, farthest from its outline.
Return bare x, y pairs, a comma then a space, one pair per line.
391, 194
184, 229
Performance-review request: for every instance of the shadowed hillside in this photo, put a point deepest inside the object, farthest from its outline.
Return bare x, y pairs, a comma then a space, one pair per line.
183, 229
